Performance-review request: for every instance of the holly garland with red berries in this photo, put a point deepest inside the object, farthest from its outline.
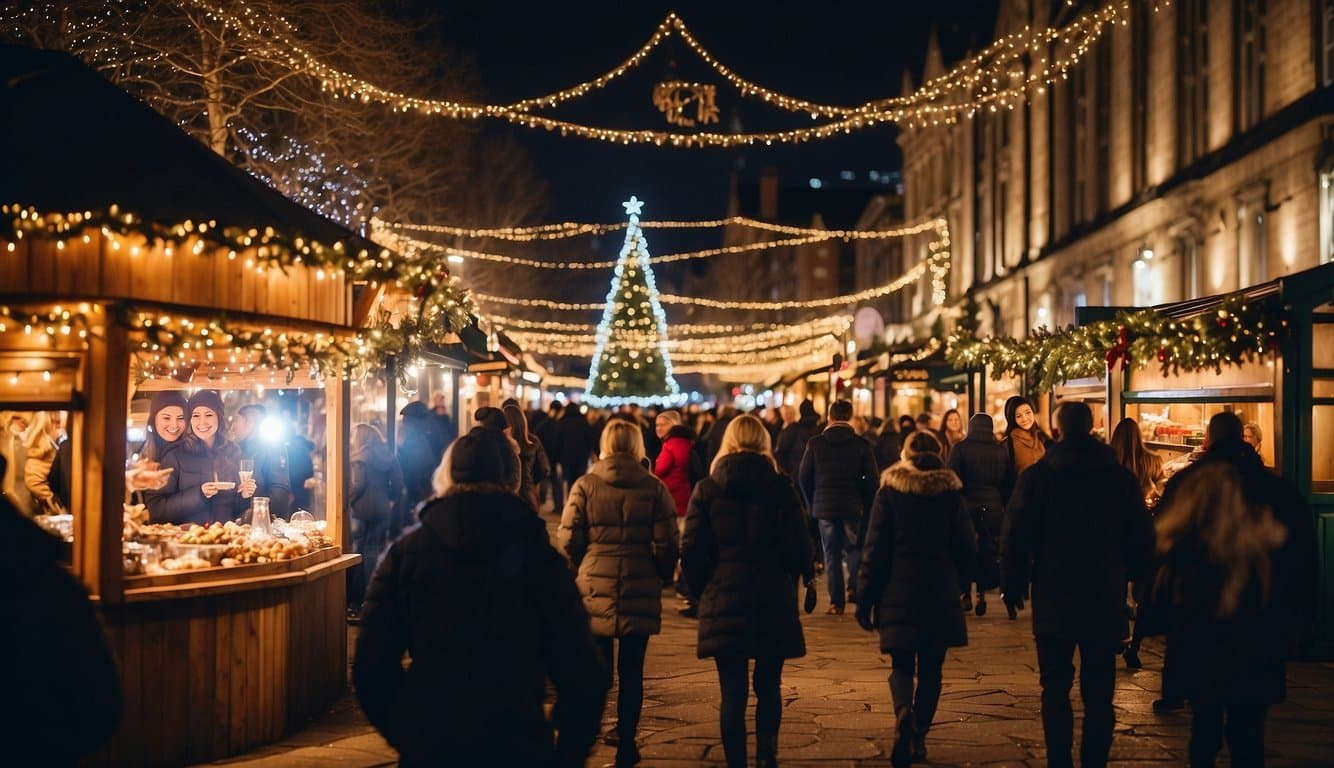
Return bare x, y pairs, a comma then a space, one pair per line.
1233, 333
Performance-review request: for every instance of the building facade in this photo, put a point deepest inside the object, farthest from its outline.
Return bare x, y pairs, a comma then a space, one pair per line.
1189, 153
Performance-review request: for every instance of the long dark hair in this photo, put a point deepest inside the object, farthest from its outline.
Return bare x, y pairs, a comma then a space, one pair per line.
1130, 452
518, 424
1012, 407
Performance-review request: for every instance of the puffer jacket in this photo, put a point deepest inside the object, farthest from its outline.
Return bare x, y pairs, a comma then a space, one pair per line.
744, 547
838, 475
376, 482
917, 542
488, 611
619, 532
792, 439
534, 467
673, 465
983, 466
182, 501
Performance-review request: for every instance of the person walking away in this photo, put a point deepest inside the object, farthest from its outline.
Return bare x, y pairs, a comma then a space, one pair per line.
490, 612
918, 540
951, 432
982, 465
446, 430
888, 445
839, 478
619, 532
53, 613
272, 476
533, 462
743, 550
1147, 467
417, 460
713, 441
574, 445
1024, 440
375, 484
1078, 518
545, 430
1267, 624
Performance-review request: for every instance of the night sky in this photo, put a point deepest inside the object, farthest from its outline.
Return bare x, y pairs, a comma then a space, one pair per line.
836, 52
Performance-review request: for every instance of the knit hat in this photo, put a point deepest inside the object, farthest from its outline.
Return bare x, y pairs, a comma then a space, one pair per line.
482, 456
205, 398
491, 418
919, 443
165, 398
982, 425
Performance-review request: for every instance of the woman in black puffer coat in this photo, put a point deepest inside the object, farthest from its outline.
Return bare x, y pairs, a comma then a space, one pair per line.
489, 612
744, 547
918, 540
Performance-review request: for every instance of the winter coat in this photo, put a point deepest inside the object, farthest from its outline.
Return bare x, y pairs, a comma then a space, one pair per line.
619, 531
673, 465
983, 466
917, 542
1079, 518
181, 500
534, 467
376, 482
273, 477
54, 616
713, 441
1253, 644
574, 442
487, 610
888, 446
838, 475
37, 476
1024, 448
745, 546
417, 456
792, 442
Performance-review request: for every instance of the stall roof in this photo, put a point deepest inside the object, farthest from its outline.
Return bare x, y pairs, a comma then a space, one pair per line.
77, 142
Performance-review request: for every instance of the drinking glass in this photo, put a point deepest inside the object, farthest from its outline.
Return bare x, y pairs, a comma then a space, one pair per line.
247, 469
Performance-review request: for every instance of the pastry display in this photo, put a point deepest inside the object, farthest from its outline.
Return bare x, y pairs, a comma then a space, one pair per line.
196, 547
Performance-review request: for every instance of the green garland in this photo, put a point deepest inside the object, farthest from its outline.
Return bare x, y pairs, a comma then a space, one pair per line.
1233, 333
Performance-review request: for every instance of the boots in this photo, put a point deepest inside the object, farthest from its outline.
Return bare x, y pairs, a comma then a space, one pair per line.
766, 750
981, 609
905, 734
966, 602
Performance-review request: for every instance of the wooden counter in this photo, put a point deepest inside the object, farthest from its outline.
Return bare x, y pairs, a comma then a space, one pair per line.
214, 667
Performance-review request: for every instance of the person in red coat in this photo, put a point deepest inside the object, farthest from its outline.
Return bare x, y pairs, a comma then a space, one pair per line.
673, 464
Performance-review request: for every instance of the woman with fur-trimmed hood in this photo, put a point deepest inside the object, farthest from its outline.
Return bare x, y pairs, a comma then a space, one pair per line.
918, 541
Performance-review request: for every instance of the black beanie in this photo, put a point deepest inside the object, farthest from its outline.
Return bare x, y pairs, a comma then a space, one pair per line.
482, 456
491, 418
206, 398
166, 398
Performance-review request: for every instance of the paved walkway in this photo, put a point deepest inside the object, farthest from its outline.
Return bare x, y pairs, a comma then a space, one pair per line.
837, 710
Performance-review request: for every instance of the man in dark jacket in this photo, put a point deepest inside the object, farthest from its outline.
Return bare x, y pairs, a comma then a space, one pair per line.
792, 439
1078, 519
490, 611
575, 443
547, 430
839, 479
982, 465
418, 459
51, 614
271, 472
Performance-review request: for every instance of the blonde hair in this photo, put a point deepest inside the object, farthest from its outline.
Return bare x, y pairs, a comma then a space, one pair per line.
42, 430
364, 437
621, 436
1208, 517
672, 417
745, 434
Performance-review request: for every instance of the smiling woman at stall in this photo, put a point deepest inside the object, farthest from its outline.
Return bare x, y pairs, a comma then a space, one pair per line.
204, 486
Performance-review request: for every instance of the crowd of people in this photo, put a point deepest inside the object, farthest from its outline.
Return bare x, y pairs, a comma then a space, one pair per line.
912, 522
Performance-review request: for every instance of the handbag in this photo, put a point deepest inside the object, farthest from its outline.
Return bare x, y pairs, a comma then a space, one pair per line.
809, 604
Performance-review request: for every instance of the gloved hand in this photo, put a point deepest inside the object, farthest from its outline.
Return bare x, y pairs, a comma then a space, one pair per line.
1015, 601
809, 605
866, 615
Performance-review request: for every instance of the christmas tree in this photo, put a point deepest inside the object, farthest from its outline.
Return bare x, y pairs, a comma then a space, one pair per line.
630, 363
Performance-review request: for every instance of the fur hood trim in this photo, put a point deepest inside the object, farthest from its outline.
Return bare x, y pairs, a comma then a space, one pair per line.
905, 478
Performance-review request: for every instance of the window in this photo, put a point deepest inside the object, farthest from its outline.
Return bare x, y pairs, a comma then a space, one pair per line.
1139, 97
1327, 217
1192, 80
1102, 126
1147, 285
1327, 42
1002, 232
1189, 249
1249, 97
1252, 259
1079, 145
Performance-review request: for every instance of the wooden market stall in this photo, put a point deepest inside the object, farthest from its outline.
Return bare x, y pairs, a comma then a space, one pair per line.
133, 259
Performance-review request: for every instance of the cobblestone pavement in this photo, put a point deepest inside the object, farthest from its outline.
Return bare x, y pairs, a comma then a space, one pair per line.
837, 710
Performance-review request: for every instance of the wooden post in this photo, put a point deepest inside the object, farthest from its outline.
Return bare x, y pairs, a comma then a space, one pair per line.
99, 481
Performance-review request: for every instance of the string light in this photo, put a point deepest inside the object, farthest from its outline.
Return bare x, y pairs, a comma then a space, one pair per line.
576, 229
993, 77
837, 324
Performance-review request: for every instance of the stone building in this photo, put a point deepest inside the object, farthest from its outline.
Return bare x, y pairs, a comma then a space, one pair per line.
1189, 153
